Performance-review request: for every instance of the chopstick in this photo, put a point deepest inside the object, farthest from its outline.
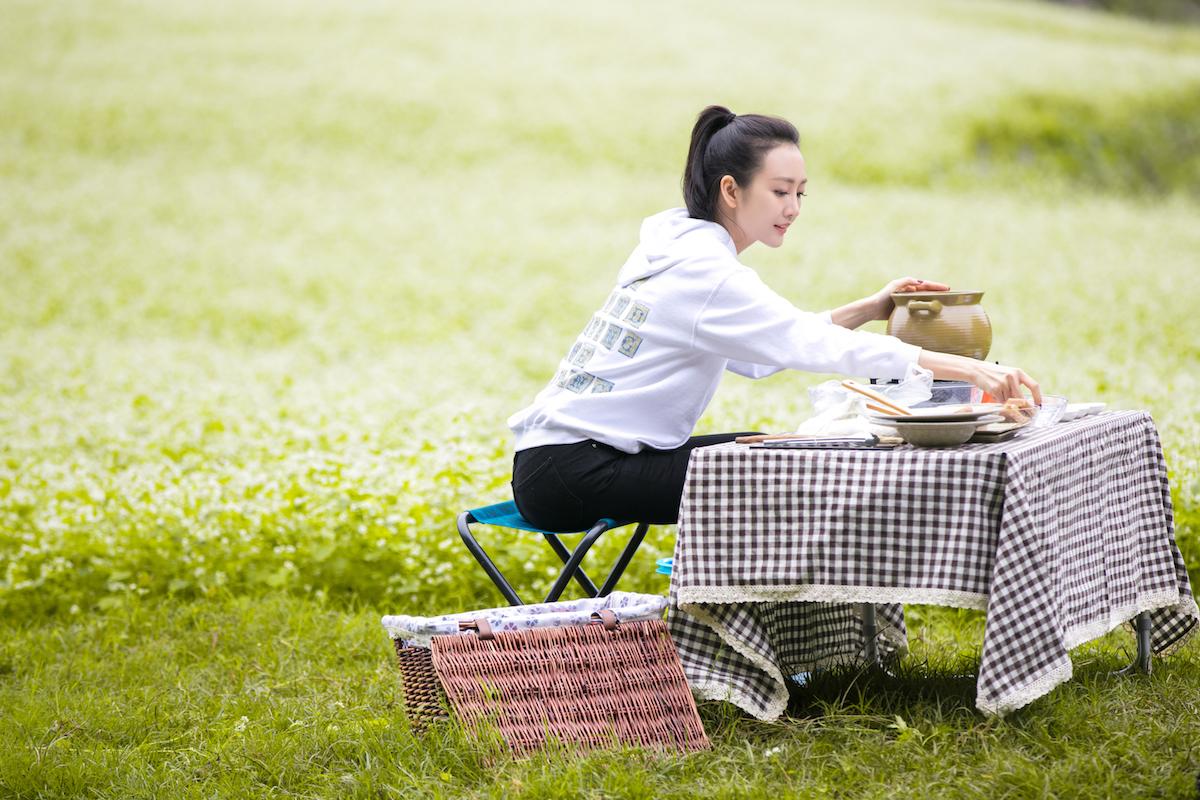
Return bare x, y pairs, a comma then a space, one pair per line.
765, 437
881, 409
871, 394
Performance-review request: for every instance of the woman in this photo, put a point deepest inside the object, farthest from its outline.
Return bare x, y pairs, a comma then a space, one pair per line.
609, 436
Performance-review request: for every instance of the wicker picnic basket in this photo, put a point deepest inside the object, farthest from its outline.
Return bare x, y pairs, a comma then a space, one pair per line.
424, 700
592, 673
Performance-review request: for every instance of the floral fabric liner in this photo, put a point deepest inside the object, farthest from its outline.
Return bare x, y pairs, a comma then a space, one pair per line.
628, 606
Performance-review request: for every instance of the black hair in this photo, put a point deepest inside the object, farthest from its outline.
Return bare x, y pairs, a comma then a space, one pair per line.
724, 143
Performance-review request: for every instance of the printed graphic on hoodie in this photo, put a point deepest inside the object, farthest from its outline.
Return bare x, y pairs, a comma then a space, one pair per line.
617, 304
580, 354
637, 314
609, 335
578, 381
630, 343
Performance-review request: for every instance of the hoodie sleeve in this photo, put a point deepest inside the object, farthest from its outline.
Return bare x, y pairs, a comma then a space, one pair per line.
753, 371
745, 321
758, 371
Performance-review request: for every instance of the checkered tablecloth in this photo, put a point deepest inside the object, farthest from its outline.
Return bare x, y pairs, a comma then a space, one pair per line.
1061, 535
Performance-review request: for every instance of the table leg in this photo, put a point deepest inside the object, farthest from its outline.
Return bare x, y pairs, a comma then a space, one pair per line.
1143, 641
1141, 662
870, 632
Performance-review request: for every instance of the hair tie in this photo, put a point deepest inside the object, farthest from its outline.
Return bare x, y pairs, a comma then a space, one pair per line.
729, 120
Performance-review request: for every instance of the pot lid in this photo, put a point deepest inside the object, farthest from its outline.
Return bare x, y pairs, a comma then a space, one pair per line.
951, 298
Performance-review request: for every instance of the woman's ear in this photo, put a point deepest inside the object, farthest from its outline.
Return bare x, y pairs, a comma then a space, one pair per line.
729, 192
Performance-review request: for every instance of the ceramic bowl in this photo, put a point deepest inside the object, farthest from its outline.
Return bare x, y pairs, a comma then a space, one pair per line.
936, 434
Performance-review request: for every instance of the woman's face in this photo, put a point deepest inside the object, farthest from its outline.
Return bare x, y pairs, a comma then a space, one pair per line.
762, 211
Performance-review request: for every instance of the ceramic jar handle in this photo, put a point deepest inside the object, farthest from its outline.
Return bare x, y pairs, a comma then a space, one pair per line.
930, 307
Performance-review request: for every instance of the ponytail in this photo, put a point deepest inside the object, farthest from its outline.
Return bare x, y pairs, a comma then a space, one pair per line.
724, 143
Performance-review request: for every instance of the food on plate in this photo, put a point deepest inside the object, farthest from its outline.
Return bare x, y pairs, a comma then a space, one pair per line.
1017, 409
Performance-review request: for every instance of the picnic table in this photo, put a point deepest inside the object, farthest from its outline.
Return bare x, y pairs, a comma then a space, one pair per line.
1060, 535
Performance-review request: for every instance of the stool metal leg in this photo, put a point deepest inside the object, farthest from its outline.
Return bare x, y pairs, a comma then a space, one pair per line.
573, 562
464, 530
869, 631
564, 554
618, 569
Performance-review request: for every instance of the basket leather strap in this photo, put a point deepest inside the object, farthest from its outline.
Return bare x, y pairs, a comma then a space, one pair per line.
480, 625
607, 617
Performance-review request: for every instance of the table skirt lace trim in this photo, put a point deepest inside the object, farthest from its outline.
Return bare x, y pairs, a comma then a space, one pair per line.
1062, 670
825, 593
777, 704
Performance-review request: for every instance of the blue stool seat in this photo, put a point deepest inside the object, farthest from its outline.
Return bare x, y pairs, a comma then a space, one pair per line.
506, 515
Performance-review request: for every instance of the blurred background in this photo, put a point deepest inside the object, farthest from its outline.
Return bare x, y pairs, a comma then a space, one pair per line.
274, 274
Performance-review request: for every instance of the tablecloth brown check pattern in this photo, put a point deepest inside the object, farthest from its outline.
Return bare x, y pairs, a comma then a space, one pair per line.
1060, 535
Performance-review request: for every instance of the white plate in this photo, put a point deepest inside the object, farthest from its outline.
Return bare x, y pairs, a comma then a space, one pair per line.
934, 414
1077, 410
986, 419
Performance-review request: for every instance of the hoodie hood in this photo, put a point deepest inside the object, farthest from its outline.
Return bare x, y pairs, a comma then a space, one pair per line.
666, 239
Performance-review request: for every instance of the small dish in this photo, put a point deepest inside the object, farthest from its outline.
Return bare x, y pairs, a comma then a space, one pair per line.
1050, 411
1077, 410
989, 434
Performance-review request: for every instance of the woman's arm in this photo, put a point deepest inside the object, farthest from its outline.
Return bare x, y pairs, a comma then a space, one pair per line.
742, 319
999, 381
880, 305
856, 314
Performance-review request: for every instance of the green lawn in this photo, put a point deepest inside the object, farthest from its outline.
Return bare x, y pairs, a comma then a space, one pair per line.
274, 275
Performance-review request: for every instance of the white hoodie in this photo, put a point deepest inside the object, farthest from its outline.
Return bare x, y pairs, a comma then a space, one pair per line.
684, 310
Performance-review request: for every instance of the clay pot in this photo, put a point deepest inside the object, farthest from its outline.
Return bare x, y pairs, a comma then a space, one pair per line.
946, 322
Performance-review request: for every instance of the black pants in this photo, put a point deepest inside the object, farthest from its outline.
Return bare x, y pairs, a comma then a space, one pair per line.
567, 487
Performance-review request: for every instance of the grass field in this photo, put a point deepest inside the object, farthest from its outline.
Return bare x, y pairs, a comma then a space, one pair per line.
274, 275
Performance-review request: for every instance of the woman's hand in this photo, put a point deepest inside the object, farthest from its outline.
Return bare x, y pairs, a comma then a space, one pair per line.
1003, 382
999, 381
881, 301
880, 305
